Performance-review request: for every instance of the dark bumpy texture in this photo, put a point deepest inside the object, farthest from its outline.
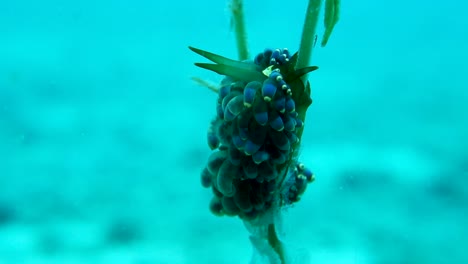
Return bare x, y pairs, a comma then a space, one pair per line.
254, 141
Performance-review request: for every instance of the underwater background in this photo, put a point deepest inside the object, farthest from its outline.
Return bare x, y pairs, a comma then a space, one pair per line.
103, 134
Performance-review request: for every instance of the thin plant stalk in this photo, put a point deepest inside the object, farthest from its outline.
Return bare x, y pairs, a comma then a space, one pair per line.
275, 243
243, 54
211, 86
308, 35
304, 57
237, 10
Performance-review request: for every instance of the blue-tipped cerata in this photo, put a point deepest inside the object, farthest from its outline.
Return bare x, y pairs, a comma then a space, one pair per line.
250, 91
268, 89
255, 134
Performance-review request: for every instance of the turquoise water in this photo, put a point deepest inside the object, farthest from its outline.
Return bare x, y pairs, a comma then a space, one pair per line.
102, 132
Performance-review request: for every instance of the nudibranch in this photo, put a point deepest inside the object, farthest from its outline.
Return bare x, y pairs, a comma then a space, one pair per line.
256, 133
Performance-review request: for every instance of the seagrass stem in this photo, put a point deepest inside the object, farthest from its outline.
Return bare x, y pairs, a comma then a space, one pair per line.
275, 243
308, 35
237, 10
